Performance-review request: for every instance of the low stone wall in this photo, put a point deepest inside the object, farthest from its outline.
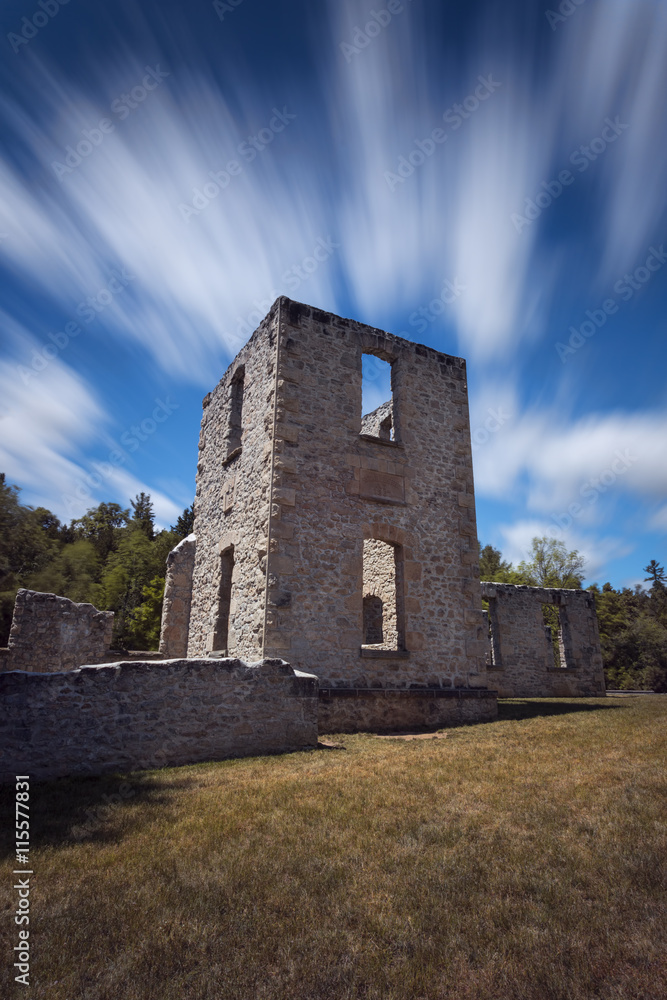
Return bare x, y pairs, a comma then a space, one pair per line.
178, 598
520, 647
354, 710
51, 633
129, 716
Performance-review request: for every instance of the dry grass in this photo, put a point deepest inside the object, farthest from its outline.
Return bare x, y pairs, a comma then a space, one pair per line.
519, 859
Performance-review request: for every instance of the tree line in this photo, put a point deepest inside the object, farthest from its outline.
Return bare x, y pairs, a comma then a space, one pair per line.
632, 621
111, 557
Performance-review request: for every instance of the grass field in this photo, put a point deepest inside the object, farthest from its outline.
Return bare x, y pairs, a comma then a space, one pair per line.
520, 859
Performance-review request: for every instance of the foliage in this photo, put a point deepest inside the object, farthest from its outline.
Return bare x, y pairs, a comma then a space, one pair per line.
107, 558
144, 626
552, 565
493, 567
142, 515
101, 526
633, 635
185, 524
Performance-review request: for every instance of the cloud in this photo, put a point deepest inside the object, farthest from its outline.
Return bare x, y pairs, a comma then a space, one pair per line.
45, 424
659, 519
48, 419
197, 281
193, 280
125, 484
554, 463
596, 552
451, 214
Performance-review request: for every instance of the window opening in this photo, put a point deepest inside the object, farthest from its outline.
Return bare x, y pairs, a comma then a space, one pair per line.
383, 612
553, 632
493, 658
235, 427
373, 620
221, 634
377, 404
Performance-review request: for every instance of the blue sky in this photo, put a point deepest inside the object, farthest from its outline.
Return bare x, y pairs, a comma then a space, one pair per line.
485, 178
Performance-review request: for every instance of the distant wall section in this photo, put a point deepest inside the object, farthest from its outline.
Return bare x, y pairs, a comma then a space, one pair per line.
51, 633
522, 660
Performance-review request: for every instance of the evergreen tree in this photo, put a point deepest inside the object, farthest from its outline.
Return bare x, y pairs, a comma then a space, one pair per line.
143, 516
656, 575
493, 567
186, 521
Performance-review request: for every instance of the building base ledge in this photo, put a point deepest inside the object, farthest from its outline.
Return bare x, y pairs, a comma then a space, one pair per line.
424, 692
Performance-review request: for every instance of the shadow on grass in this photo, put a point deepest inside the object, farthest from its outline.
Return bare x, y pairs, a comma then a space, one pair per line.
89, 810
518, 708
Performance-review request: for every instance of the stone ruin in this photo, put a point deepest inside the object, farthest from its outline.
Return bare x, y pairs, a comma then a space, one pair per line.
326, 539
50, 634
524, 661
341, 546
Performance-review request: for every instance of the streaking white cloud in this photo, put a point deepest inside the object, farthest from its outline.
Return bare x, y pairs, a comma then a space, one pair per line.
196, 281
48, 419
452, 214
193, 279
554, 463
44, 426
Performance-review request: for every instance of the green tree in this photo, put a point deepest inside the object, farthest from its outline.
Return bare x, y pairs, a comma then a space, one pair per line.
143, 516
127, 571
185, 524
25, 548
656, 575
143, 627
102, 525
551, 565
74, 572
493, 567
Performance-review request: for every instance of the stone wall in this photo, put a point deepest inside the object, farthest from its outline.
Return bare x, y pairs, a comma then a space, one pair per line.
51, 633
126, 716
353, 710
521, 657
232, 499
177, 598
334, 486
379, 423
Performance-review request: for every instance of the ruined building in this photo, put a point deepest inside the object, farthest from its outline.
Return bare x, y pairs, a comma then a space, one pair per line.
347, 548
331, 581
542, 642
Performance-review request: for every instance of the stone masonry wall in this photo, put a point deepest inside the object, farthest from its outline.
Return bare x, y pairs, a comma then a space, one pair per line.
52, 633
232, 498
380, 581
380, 422
523, 661
333, 487
177, 598
383, 710
128, 716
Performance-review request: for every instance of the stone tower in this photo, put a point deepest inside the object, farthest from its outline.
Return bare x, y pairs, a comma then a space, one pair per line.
348, 549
